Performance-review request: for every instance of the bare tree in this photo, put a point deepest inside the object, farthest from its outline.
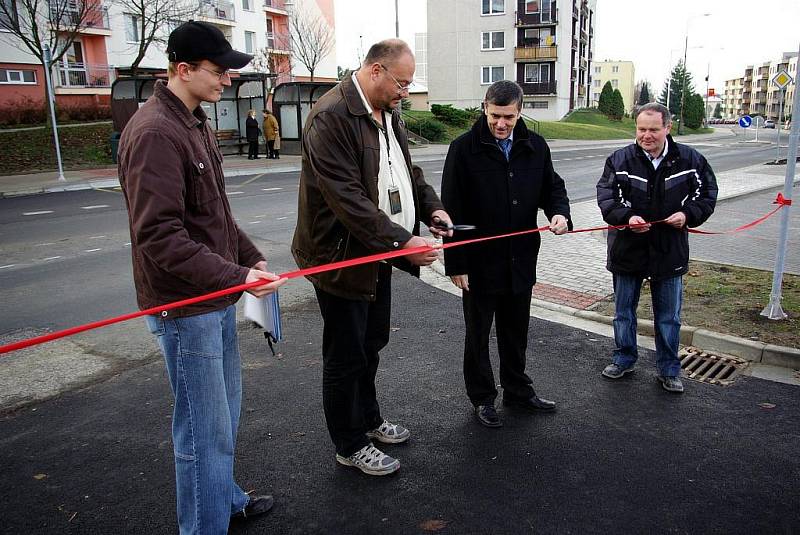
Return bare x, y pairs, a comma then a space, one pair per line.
311, 38
151, 22
266, 60
53, 24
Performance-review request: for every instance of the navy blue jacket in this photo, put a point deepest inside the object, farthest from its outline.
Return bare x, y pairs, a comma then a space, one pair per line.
481, 188
684, 181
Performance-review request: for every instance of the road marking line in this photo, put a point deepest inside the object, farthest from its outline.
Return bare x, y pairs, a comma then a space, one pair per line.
127, 244
40, 212
555, 160
92, 250
116, 189
43, 244
247, 182
50, 258
94, 206
437, 172
281, 218
96, 237
7, 266
271, 189
235, 193
255, 222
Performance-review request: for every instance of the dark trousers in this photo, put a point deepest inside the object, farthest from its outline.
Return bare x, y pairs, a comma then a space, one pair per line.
512, 314
252, 149
353, 333
270, 148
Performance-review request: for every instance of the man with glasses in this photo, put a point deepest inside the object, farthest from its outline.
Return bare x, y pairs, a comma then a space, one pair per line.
184, 243
360, 195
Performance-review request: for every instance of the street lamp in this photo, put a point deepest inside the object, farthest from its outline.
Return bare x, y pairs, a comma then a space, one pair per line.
685, 69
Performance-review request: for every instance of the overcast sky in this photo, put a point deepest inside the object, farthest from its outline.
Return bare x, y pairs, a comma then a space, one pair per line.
735, 34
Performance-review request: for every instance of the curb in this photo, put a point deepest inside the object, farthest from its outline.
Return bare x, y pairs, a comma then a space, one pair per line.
750, 350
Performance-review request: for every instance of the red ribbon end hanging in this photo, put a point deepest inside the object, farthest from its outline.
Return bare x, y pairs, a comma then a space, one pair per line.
783, 201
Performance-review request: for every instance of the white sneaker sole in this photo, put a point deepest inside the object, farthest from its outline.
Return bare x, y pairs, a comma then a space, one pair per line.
392, 468
620, 376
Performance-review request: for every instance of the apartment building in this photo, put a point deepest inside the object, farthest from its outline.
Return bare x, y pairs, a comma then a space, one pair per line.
621, 76
108, 40
544, 45
755, 93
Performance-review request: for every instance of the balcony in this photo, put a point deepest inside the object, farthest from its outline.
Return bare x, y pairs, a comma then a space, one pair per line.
575, 13
94, 18
524, 53
574, 44
540, 18
217, 12
584, 64
277, 7
80, 75
581, 90
538, 88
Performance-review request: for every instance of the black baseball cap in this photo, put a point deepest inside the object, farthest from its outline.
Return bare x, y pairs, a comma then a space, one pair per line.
196, 41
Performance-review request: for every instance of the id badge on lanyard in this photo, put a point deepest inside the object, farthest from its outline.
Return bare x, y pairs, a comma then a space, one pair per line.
395, 206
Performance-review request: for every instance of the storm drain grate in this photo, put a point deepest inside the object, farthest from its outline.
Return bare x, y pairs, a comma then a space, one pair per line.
706, 367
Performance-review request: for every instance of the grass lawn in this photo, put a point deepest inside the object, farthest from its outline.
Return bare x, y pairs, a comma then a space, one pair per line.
30, 151
729, 299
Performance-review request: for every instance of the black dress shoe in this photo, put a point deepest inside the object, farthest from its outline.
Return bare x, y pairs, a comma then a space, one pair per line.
487, 415
258, 505
533, 404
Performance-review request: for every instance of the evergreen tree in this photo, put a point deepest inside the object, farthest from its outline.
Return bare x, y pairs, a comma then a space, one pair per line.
617, 106
718, 112
693, 111
676, 82
604, 102
644, 94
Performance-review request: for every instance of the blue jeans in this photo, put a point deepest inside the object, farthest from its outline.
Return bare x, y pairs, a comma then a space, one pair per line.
667, 300
202, 358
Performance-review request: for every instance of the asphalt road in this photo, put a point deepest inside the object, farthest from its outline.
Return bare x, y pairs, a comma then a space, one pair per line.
616, 457
65, 257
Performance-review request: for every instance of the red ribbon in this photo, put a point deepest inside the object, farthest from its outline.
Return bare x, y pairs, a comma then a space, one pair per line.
780, 201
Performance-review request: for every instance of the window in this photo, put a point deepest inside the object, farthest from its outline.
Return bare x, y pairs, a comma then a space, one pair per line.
10, 76
614, 83
538, 37
615, 68
535, 105
597, 83
270, 34
536, 73
493, 40
131, 28
249, 42
598, 70
492, 74
531, 6
493, 7
8, 15
596, 97
247, 5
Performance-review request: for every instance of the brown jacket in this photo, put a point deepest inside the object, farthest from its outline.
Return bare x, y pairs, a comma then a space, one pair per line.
270, 125
184, 241
338, 216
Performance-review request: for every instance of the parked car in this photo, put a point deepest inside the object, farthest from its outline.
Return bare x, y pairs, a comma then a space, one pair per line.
769, 124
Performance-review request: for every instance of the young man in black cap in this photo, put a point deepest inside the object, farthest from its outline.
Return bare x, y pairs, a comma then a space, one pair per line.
185, 243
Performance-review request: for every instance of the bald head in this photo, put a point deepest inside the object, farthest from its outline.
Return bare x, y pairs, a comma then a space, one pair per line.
387, 52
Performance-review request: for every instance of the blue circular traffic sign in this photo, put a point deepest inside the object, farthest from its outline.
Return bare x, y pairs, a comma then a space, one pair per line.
745, 121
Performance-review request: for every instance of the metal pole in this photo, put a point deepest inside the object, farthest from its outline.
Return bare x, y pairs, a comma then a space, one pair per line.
778, 143
683, 81
705, 112
50, 100
396, 21
773, 310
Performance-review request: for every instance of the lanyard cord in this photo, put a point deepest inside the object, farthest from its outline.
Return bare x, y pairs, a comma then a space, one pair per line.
388, 150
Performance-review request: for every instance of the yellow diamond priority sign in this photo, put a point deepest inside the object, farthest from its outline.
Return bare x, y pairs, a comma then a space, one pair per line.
782, 79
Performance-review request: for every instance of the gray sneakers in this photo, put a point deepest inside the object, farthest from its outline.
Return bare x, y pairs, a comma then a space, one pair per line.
371, 461
671, 384
389, 433
615, 371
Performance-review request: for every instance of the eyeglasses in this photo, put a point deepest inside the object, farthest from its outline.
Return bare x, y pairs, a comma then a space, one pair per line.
220, 75
400, 87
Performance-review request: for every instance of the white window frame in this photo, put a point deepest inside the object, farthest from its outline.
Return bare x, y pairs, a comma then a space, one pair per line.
491, 35
540, 67
270, 34
21, 73
247, 5
492, 12
490, 71
251, 49
532, 12
615, 69
615, 83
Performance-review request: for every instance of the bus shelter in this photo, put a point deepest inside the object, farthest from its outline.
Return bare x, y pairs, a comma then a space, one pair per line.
291, 104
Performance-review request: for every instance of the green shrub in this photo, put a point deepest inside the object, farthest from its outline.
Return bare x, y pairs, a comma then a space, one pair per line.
447, 114
430, 129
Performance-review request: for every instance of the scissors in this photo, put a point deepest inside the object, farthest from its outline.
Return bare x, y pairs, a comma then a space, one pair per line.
438, 223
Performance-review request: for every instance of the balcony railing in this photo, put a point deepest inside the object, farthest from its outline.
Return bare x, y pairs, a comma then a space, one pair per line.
535, 52
93, 17
276, 6
581, 90
538, 88
218, 10
83, 75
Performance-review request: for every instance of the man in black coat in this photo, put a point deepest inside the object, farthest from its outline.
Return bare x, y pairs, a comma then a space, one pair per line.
652, 180
496, 177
